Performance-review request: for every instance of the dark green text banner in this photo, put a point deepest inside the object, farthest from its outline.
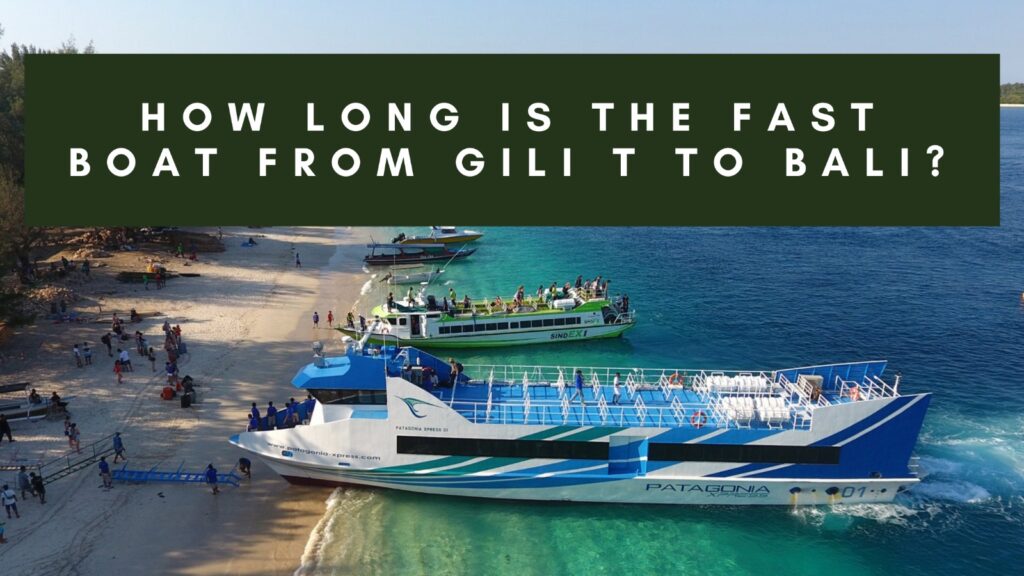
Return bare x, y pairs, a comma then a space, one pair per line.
513, 139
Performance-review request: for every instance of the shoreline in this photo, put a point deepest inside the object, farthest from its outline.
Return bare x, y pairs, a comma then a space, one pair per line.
247, 322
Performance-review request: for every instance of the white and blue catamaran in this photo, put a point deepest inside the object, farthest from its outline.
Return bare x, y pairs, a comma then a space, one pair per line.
393, 417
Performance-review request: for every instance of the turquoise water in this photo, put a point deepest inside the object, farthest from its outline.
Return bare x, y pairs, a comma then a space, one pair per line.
942, 305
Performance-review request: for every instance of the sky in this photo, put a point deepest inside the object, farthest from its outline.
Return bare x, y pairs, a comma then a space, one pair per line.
580, 26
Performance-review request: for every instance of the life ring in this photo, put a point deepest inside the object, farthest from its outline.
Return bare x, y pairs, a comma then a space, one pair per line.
854, 393
698, 419
677, 379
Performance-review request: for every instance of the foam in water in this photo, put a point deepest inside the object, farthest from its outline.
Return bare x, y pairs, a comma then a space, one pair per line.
321, 537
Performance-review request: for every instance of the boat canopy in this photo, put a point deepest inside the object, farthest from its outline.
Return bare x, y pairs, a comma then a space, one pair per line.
352, 372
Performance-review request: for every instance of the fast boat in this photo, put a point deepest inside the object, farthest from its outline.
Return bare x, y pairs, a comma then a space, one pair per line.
578, 315
440, 235
398, 277
395, 254
397, 417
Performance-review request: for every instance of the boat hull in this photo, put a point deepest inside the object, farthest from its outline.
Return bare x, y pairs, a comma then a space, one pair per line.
615, 489
489, 340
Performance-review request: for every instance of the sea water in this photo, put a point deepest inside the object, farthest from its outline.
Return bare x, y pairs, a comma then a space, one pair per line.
943, 305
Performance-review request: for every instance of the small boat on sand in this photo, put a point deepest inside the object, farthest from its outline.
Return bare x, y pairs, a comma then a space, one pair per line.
392, 254
440, 235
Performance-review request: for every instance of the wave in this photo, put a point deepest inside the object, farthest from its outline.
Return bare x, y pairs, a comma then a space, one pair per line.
312, 554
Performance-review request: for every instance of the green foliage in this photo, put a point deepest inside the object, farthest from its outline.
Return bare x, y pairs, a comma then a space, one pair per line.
1011, 93
16, 239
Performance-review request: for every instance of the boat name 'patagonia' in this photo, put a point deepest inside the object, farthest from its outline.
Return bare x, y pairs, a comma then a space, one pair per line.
713, 489
568, 334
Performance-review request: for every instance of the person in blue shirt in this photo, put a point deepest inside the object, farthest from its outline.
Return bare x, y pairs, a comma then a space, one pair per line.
211, 478
119, 448
309, 403
108, 483
579, 387
271, 416
288, 411
255, 412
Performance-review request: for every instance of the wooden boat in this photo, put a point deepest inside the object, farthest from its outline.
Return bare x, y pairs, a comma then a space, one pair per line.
392, 254
20, 408
441, 235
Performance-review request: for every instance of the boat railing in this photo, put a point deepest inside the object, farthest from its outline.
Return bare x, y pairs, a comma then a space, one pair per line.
868, 388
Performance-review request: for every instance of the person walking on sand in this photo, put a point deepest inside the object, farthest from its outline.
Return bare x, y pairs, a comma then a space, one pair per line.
108, 482
24, 483
211, 478
87, 353
38, 486
330, 319
117, 372
74, 438
78, 356
126, 360
10, 501
298, 263
5, 429
106, 341
152, 358
316, 320
119, 448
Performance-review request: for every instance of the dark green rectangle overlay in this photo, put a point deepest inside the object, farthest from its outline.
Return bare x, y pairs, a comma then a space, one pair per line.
94, 103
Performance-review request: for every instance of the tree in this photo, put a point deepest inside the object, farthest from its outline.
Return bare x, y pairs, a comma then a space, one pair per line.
17, 239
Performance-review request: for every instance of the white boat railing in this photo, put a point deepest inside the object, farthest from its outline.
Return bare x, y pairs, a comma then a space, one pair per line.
563, 411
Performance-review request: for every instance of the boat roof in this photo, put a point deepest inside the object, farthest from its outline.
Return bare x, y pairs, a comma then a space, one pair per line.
408, 246
352, 372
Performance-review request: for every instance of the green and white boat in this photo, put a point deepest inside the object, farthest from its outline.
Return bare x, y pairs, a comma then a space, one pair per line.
578, 315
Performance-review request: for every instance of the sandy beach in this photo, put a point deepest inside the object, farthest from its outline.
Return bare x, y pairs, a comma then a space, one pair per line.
247, 322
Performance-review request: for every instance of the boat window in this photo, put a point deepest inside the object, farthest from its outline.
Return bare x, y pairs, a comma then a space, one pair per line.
392, 321
402, 321
538, 323
456, 329
514, 325
567, 449
744, 453
502, 325
351, 396
572, 450
492, 326
444, 330
549, 322
559, 321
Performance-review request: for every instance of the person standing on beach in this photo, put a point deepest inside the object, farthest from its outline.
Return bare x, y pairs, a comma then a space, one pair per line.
330, 319
24, 483
78, 356
298, 263
152, 358
145, 281
117, 372
38, 486
108, 482
119, 448
211, 478
74, 438
10, 501
5, 429
106, 341
316, 320
87, 353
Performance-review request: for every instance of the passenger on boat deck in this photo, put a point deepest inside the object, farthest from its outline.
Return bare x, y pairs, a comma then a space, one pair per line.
579, 388
444, 304
34, 397
454, 371
350, 320
362, 323
616, 391
498, 303
466, 302
565, 290
410, 297
451, 296
391, 302
579, 281
625, 303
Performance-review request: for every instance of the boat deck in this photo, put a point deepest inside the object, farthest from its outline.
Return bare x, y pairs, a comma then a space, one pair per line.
667, 398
